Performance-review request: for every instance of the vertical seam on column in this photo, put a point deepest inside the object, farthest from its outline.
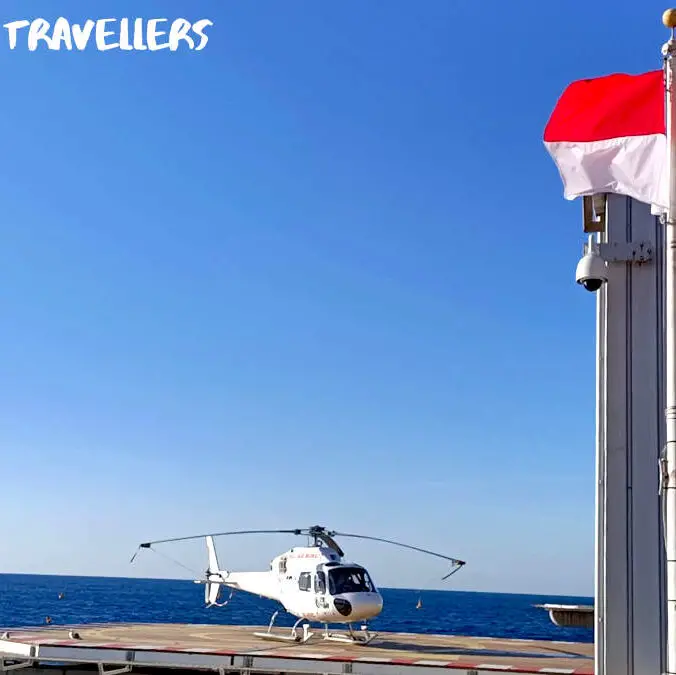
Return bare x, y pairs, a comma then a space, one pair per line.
659, 313
629, 447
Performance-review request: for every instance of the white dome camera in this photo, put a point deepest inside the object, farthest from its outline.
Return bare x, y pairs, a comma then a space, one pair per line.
592, 271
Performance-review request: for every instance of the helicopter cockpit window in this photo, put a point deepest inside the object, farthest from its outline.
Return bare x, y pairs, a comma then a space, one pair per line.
349, 580
305, 581
320, 582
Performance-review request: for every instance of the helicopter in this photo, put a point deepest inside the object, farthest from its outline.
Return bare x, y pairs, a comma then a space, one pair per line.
313, 583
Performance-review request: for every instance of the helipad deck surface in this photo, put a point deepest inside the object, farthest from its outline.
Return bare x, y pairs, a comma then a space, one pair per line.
234, 647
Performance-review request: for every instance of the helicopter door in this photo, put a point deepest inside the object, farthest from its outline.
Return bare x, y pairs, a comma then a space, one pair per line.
320, 591
305, 599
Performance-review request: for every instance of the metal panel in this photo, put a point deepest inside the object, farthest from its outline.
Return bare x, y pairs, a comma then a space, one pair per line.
16, 649
282, 667
630, 431
614, 612
647, 438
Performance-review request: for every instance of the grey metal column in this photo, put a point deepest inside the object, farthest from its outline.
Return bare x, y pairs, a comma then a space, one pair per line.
630, 591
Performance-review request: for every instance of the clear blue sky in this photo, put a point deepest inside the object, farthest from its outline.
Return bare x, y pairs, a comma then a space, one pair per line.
321, 271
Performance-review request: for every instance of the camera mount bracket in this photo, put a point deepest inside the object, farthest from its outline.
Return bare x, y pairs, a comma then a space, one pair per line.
636, 252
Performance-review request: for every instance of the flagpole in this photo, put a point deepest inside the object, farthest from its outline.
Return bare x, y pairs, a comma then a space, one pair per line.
669, 53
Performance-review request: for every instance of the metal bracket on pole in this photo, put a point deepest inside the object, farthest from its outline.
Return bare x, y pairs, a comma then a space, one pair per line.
636, 252
113, 671
594, 209
6, 667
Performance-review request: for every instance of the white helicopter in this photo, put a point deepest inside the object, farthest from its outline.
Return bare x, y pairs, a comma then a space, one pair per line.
313, 583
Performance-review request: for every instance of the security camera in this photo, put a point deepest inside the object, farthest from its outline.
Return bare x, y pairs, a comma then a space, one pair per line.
592, 271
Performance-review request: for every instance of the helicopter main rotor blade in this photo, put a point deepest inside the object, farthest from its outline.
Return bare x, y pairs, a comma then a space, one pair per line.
457, 564
317, 531
148, 544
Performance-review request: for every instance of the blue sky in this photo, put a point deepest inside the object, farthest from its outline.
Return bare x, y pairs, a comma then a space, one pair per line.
321, 271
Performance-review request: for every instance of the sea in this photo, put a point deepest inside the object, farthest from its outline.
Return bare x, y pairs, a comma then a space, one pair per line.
27, 600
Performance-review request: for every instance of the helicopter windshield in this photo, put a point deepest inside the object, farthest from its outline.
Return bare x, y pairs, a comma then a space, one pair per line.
349, 580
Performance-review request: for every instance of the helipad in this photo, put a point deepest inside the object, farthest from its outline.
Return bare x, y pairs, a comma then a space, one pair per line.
122, 648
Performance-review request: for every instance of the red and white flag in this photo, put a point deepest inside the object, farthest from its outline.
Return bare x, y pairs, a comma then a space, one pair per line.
608, 134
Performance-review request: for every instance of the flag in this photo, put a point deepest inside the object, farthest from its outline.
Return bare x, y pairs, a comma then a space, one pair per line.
608, 134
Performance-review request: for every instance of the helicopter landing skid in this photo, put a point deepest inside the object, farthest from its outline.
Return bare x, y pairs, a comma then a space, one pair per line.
293, 636
363, 637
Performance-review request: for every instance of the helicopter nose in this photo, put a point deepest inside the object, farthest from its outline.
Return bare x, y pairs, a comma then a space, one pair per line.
359, 606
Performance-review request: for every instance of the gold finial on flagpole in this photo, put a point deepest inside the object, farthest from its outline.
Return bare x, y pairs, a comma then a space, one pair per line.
669, 18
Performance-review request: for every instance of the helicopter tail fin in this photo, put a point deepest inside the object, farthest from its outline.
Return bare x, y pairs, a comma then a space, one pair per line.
215, 575
211, 590
213, 558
